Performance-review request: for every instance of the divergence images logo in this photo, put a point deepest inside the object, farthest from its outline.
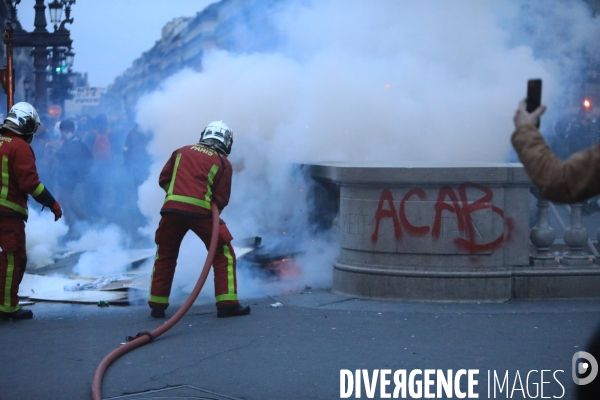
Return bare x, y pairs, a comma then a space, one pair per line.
581, 368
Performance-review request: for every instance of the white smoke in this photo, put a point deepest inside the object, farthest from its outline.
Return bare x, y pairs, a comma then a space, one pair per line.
43, 235
355, 80
103, 251
103, 248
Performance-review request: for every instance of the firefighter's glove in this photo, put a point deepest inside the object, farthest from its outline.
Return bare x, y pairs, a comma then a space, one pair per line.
56, 210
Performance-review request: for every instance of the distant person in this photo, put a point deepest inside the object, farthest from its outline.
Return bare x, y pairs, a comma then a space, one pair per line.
19, 179
570, 181
136, 159
102, 195
73, 164
44, 148
194, 177
136, 165
102, 148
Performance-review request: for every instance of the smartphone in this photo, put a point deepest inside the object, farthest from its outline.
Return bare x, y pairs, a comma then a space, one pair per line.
534, 95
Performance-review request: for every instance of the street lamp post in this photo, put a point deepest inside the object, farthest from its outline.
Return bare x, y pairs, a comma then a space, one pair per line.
40, 39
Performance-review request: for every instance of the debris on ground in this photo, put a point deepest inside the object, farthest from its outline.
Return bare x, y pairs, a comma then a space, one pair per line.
120, 282
273, 262
56, 282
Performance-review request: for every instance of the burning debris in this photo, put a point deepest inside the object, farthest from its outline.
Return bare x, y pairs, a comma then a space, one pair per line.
277, 262
58, 283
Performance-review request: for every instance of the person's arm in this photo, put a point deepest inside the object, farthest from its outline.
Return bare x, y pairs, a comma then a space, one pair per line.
29, 181
222, 187
27, 176
570, 181
164, 180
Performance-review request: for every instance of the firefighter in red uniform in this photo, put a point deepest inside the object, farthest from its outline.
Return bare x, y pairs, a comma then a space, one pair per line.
194, 177
19, 179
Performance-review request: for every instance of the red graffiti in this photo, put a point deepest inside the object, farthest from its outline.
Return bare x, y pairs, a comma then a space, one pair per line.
386, 196
457, 205
418, 231
441, 205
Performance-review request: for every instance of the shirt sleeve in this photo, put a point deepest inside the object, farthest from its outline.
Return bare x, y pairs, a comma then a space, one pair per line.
222, 187
27, 176
570, 181
25, 170
167, 173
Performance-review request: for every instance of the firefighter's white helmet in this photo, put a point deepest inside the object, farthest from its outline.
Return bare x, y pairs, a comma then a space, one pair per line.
25, 117
217, 134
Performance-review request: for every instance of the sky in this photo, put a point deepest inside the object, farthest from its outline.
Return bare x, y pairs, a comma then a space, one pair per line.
104, 46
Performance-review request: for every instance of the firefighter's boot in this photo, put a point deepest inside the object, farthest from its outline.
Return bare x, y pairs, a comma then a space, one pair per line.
21, 313
232, 311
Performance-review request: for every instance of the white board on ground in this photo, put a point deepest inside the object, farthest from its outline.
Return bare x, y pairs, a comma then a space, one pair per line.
34, 284
51, 288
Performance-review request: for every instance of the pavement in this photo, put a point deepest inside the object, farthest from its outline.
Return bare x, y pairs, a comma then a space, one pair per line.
291, 352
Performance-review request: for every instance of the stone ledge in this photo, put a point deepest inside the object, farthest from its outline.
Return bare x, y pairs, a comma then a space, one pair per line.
456, 285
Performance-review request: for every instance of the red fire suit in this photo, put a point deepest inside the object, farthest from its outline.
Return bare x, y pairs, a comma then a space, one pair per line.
193, 177
19, 179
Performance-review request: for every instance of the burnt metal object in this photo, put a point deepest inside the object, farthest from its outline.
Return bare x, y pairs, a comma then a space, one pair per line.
270, 262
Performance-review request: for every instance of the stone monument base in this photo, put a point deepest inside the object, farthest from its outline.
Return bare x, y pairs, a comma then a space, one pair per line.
443, 284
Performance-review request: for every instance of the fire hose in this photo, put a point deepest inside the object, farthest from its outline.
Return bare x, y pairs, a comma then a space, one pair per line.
145, 337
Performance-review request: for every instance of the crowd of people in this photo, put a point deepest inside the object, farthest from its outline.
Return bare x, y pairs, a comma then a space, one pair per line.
94, 165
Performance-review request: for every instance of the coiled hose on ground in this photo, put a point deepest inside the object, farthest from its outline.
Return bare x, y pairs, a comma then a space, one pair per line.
145, 337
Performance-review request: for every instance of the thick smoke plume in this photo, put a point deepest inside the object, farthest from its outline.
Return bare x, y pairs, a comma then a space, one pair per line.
363, 81
358, 81
384, 82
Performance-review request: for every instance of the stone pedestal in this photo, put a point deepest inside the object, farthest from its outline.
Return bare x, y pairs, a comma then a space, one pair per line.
449, 232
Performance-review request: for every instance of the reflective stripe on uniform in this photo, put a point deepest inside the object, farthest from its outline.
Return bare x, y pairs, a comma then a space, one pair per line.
230, 295
153, 269
189, 199
159, 299
10, 256
170, 191
223, 297
156, 299
211, 176
13, 206
39, 189
4, 190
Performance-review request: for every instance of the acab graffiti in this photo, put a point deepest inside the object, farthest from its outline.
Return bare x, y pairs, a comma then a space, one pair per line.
449, 201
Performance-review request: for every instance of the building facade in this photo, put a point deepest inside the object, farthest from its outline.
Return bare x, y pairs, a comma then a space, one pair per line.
183, 43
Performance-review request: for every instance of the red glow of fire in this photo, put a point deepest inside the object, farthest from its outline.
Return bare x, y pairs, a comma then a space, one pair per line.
286, 268
587, 104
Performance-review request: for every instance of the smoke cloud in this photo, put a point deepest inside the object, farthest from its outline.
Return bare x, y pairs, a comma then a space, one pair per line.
43, 237
352, 80
347, 80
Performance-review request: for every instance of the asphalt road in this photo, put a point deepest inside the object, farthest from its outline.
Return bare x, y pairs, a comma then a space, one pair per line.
292, 352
